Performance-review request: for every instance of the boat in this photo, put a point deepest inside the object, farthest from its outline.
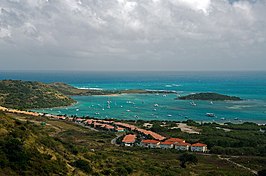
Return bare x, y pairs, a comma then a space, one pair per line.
211, 103
169, 115
97, 113
77, 109
210, 114
193, 103
164, 95
154, 109
155, 105
128, 110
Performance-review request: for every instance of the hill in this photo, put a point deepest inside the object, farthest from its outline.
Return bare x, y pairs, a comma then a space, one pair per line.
27, 94
64, 148
210, 97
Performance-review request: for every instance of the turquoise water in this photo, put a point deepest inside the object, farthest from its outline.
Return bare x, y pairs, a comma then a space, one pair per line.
250, 86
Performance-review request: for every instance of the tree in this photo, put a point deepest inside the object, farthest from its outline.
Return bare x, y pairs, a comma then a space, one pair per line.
187, 158
262, 172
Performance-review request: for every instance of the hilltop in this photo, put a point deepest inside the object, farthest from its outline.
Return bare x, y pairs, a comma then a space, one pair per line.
210, 97
27, 94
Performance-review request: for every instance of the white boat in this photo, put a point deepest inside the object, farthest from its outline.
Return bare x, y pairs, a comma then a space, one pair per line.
154, 109
77, 109
169, 115
128, 110
210, 114
193, 103
97, 113
155, 105
211, 103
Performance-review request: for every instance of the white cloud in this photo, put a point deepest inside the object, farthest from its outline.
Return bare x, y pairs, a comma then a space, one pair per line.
170, 31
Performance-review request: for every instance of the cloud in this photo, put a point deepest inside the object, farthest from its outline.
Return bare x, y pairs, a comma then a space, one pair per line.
163, 34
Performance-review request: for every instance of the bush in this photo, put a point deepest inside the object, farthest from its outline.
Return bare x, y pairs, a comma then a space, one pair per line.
83, 165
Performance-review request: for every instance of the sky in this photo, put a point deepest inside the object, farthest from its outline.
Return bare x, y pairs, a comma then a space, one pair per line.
133, 35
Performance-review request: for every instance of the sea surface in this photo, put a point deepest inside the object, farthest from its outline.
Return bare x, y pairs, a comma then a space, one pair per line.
250, 86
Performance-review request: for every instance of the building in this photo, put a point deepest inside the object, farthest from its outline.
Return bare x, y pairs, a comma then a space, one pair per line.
150, 143
129, 140
177, 140
182, 146
119, 129
199, 147
166, 145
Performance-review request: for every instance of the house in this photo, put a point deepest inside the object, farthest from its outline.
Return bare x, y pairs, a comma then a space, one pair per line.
183, 146
129, 140
119, 129
150, 143
109, 127
177, 140
199, 147
166, 145
79, 120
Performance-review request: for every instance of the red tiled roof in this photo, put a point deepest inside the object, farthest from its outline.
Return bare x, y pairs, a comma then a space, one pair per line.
199, 145
130, 138
150, 141
175, 140
109, 127
183, 144
119, 129
146, 132
167, 143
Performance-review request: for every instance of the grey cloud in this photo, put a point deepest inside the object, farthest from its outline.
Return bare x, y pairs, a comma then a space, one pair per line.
133, 34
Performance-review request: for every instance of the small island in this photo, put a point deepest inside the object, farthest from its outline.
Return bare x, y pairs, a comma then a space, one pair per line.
209, 97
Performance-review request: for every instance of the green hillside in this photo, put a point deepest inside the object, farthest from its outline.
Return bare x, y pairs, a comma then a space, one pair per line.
63, 148
26, 94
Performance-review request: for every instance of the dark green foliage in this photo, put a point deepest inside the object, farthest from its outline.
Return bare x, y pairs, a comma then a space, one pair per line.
27, 94
24, 160
187, 158
262, 172
209, 96
83, 165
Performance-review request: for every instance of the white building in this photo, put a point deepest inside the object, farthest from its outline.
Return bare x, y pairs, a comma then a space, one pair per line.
182, 146
150, 143
199, 147
166, 145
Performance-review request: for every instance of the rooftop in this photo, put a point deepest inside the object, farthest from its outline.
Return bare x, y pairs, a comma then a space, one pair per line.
130, 138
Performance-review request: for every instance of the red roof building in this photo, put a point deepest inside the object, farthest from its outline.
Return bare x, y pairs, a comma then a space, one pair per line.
150, 143
199, 147
178, 140
129, 139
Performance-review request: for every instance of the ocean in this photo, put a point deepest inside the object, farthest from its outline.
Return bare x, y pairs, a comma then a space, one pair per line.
250, 86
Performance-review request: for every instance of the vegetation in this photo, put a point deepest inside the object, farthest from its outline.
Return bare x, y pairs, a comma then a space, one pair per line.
65, 148
70, 90
27, 95
210, 97
187, 158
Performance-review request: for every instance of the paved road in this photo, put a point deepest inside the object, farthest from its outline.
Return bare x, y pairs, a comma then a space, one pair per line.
113, 141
